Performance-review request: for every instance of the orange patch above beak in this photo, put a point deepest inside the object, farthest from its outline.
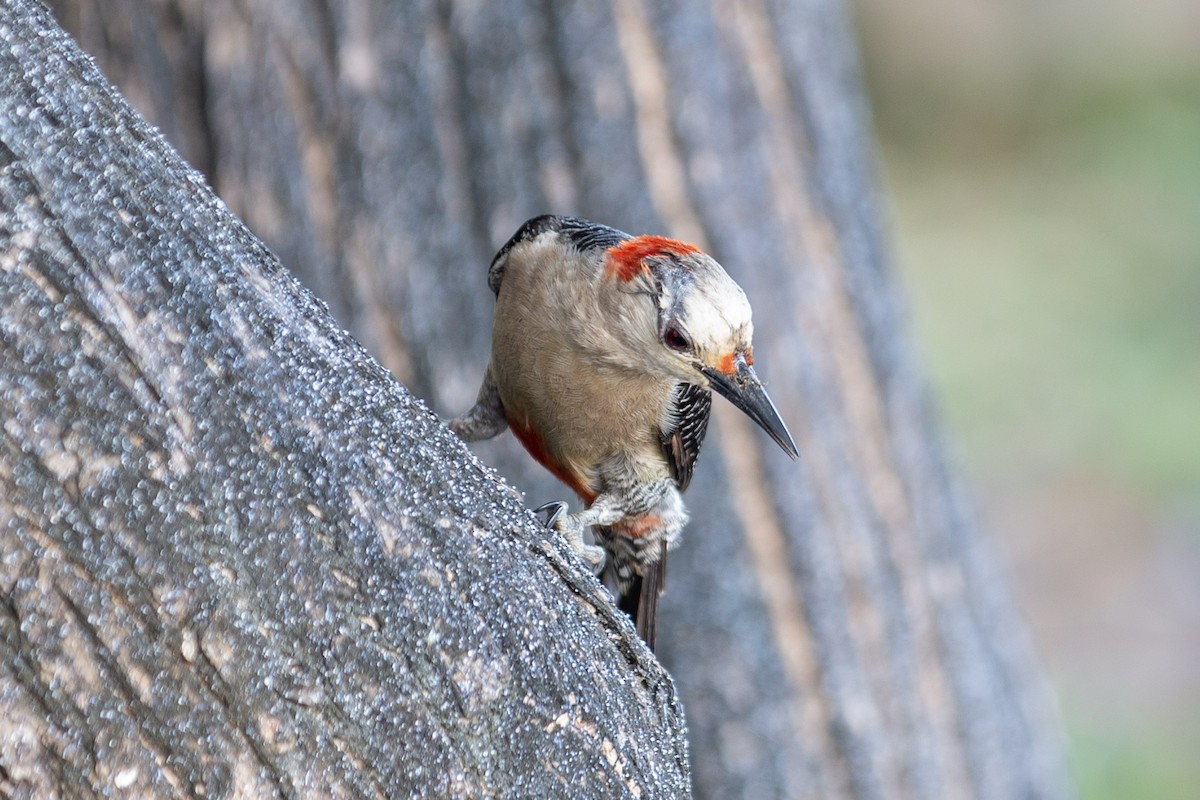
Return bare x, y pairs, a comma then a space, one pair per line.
728, 363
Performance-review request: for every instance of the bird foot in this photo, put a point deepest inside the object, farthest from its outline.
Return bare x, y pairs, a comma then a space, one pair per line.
552, 510
571, 527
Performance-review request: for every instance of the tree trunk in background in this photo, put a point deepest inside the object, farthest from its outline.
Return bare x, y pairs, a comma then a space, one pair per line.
837, 627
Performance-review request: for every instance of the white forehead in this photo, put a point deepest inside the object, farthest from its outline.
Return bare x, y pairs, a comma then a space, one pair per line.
717, 311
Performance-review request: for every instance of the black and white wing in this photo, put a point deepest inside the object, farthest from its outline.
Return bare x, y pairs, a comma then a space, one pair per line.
681, 444
687, 424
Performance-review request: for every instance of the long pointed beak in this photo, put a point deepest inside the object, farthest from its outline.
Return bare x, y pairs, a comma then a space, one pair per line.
745, 390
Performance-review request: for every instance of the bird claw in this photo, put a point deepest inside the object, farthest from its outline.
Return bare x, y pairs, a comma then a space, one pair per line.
572, 529
552, 510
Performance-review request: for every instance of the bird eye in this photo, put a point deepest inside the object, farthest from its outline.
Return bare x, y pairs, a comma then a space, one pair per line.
675, 339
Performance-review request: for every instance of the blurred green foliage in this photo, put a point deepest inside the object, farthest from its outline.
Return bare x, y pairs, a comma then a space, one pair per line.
1042, 170
1056, 287
1118, 763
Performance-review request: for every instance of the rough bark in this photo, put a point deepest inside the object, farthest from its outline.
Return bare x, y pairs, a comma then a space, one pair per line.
838, 628
237, 558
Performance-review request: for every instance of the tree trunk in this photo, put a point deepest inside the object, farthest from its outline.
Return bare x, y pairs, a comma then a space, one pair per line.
236, 557
837, 628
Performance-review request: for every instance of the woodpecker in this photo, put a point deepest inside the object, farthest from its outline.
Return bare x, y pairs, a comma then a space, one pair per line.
606, 348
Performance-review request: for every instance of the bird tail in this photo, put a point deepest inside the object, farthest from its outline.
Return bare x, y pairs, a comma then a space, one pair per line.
637, 594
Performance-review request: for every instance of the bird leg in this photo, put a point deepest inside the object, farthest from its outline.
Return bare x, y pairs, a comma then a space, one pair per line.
607, 509
613, 507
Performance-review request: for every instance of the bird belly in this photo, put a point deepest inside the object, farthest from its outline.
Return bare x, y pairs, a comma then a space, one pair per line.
576, 430
571, 409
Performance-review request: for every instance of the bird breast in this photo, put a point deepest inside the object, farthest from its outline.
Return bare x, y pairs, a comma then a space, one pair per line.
553, 360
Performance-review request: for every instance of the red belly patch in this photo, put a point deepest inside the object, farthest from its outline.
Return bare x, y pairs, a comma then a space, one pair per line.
637, 527
533, 443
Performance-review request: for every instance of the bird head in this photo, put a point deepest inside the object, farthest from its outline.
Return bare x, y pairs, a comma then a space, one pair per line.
700, 328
